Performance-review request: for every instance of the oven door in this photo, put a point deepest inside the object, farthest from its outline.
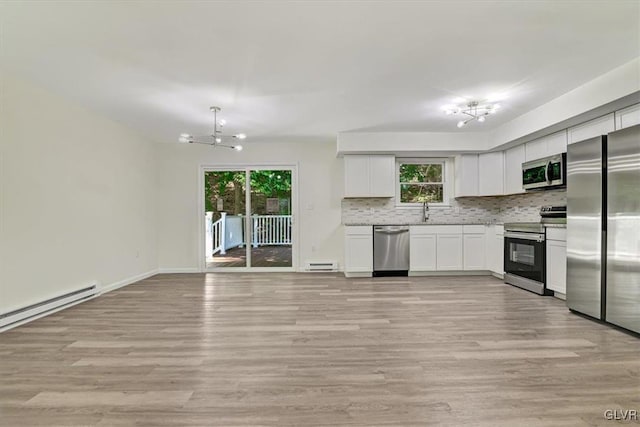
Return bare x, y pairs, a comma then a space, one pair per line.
524, 255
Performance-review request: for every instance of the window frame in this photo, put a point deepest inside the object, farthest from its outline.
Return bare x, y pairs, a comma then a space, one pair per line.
447, 168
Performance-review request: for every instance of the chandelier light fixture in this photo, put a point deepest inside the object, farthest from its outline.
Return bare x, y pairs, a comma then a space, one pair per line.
216, 139
473, 110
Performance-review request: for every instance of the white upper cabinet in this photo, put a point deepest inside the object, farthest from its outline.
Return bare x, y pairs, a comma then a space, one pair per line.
629, 116
596, 127
549, 145
356, 176
535, 149
557, 143
491, 174
466, 175
369, 176
382, 176
513, 159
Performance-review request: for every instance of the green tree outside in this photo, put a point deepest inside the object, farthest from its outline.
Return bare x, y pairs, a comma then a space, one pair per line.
420, 183
264, 183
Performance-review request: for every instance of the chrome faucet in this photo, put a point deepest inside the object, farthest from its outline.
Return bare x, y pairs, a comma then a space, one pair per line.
425, 211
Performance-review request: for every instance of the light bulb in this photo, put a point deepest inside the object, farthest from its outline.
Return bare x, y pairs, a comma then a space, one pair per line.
237, 147
218, 140
461, 123
481, 119
240, 136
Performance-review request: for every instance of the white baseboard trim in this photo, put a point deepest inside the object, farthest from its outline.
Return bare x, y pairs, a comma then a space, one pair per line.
450, 273
127, 281
101, 290
46, 313
179, 270
560, 295
357, 274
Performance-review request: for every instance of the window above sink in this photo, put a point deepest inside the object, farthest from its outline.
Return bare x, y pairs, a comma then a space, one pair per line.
420, 180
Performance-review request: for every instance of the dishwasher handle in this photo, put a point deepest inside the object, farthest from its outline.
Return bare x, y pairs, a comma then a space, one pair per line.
383, 230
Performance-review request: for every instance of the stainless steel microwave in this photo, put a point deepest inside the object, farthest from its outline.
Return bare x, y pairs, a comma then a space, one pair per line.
547, 173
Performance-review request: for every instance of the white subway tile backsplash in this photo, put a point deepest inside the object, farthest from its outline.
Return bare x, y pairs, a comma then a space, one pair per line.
468, 210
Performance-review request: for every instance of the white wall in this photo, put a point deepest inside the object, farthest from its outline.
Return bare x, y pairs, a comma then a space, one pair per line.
321, 185
77, 198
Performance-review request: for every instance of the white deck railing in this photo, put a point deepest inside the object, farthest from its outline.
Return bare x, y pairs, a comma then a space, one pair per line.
266, 230
217, 236
271, 230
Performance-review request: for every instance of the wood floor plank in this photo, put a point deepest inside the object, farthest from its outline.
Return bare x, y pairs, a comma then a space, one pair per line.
109, 398
284, 349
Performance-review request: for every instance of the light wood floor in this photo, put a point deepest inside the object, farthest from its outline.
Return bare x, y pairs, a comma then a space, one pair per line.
307, 349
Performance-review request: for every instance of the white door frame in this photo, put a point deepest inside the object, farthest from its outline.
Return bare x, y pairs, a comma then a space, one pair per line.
294, 215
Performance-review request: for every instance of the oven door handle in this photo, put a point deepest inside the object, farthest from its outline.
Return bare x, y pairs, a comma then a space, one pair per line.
524, 236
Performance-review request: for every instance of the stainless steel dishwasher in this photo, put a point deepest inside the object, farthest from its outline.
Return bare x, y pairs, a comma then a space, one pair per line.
390, 250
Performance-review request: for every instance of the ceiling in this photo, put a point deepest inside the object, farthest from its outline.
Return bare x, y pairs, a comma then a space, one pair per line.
305, 71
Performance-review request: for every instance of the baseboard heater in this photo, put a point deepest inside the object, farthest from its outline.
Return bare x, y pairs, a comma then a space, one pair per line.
320, 266
38, 309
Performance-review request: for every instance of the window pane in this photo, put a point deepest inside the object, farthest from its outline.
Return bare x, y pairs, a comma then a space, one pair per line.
421, 172
418, 193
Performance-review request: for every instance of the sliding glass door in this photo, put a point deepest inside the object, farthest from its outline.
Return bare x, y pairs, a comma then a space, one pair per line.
225, 209
248, 218
271, 227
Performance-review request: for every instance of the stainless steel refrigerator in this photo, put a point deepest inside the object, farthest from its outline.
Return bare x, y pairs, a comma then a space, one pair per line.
603, 228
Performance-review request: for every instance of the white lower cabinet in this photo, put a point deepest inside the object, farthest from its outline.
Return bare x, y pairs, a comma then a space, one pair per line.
432, 248
448, 248
495, 248
556, 263
358, 249
449, 252
474, 252
422, 251
499, 263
